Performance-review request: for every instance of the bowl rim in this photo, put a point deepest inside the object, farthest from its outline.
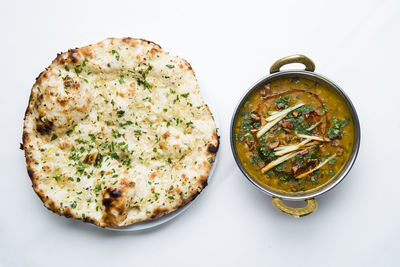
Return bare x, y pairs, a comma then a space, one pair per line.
349, 164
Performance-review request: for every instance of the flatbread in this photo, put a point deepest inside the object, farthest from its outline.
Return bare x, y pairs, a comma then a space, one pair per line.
117, 133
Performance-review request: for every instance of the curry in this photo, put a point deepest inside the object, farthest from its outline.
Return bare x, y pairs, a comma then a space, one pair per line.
293, 135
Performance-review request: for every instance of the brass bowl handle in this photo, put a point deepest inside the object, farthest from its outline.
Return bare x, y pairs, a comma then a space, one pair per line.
310, 66
296, 212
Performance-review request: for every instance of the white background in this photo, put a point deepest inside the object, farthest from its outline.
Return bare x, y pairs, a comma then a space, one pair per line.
230, 45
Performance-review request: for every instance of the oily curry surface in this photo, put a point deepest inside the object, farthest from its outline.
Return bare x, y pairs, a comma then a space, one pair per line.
293, 135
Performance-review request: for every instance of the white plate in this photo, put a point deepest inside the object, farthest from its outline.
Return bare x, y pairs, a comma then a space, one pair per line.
207, 96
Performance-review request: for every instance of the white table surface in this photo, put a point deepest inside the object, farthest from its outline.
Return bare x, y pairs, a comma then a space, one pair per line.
230, 45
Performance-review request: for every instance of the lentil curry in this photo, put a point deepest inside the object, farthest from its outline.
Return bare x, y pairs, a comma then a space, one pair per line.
293, 135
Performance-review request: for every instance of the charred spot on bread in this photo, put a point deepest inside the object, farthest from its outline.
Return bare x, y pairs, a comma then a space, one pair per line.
106, 202
115, 193
212, 148
44, 126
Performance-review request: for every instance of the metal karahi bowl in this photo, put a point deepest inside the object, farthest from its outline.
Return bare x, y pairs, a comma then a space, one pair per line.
309, 74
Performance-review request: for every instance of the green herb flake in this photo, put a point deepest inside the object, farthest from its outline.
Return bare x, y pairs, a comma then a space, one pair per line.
285, 177
185, 95
97, 188
120, 113
126, 123
114, 155
332, 161
78, 69
283, 100
305, 109
121, 79
114, 52
334, 132
189, 124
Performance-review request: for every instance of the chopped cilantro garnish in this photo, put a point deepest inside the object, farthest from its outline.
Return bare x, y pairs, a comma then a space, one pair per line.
120, 113
334, 132
284, 101
305, 109
185, 95
285, 177
246, 115
97, 188
114, 155
176, 100
98, 160
145, 72
114, 52
280, 167
116, 134
121, 79
145, 84
126, 123
332, 161
78, 69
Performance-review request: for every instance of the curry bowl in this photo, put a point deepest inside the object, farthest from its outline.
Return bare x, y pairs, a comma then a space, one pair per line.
295, 135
